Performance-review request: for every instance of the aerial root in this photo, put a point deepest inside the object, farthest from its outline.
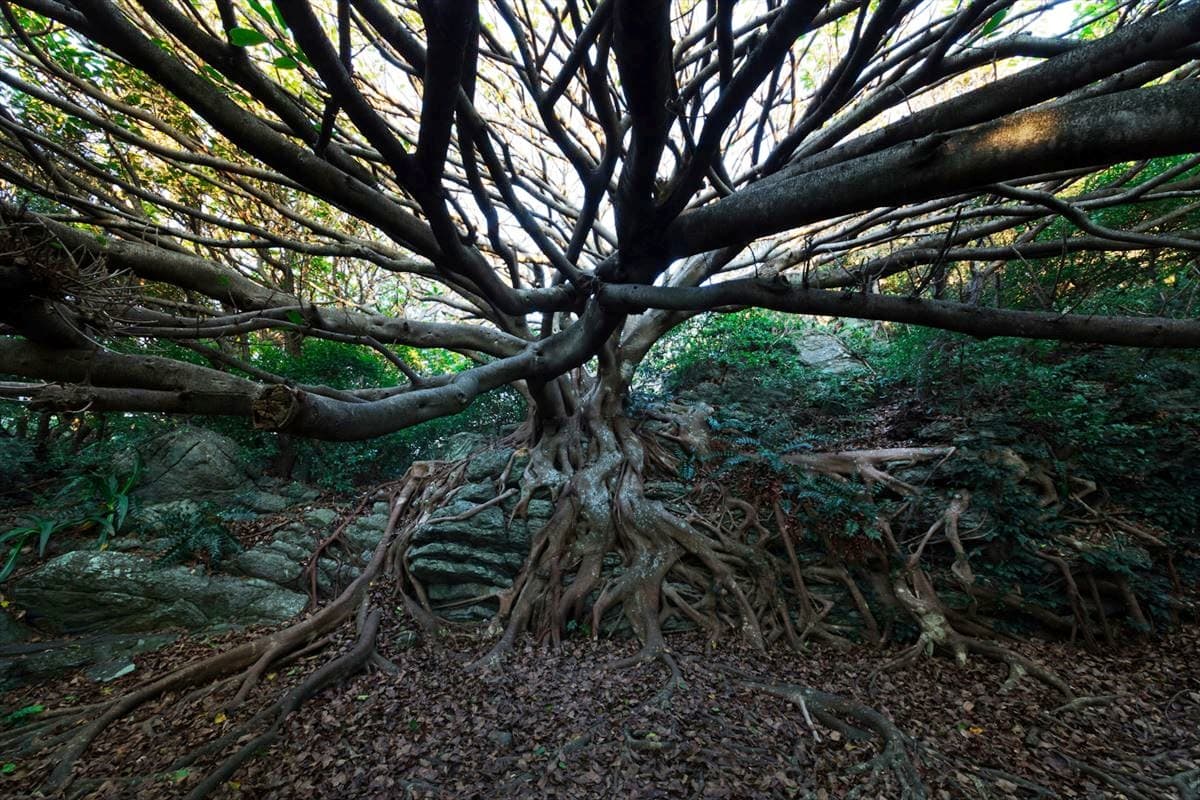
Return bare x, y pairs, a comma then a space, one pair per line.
857, 721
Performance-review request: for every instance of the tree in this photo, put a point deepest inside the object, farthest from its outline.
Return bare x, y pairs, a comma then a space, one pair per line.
566, 183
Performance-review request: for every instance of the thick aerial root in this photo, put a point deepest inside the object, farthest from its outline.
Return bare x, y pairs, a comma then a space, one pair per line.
859, 722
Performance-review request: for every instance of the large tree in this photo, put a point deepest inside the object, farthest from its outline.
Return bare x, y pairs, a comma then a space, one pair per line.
548, 189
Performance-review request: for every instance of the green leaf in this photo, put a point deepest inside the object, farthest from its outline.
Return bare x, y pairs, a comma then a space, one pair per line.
11, 563
994, 22
295, 317
285, 62
179, 775
245, 37
279, 16
8, 769
46, 529
259, 9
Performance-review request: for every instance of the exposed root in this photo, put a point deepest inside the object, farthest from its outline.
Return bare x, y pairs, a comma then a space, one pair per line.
251, 658
339, 668
938, 633
858, 722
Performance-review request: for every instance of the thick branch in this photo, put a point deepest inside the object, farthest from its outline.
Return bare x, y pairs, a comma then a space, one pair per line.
980, 321
1141, 123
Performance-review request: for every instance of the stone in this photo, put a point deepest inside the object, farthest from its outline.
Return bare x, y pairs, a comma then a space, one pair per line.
489, 464
268, 564
106, 654
456, 592
11, 630
473, 493
298, 492
298, 555
405, 640
457, 446
111, 670
189, 462
826, 353
361, 538
321, 517
87, 591
265, 502
302, 539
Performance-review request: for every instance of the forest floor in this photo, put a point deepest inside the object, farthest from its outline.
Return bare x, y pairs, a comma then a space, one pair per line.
553, 723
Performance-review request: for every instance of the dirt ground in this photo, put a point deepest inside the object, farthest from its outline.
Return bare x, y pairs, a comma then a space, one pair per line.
560, 724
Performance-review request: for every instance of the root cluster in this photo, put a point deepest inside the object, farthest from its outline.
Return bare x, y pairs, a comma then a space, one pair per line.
720, 560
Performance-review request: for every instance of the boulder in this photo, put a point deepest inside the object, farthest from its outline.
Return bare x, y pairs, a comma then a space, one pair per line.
193, 463
826, 353
108, 657
270, 564
457, 446
11, 631
88, 591
462, 559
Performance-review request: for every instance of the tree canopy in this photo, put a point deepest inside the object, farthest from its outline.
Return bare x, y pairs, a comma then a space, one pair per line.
536, 185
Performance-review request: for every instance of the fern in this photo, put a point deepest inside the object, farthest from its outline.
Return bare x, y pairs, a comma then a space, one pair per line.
195, 533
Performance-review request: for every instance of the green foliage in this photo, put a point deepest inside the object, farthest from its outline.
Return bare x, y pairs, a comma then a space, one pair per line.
196, 533
105, 498
23, 713
749, 365
710, 346
95, 501
38, 529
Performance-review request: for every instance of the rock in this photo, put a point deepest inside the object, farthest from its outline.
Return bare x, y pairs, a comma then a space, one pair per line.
11, 630
111, 655
192, 463
321, 517
457, 592
298, 492
298, 555
116, 592
405, 640
473, 493
363, 538
111, 670
481, 549
268, 564
303, 539
458, 446
826, 353
489, 464
265, 502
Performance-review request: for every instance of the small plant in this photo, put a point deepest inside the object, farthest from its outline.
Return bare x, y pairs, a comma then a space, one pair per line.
105, 500
100, 501
16, 539
196, 533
